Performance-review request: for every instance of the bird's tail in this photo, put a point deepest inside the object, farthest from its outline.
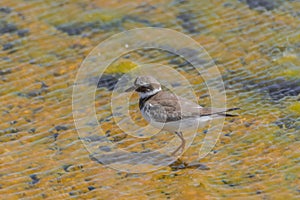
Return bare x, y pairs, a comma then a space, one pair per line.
225, 114
217, 112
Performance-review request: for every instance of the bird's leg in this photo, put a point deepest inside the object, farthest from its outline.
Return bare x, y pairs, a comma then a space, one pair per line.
182, 145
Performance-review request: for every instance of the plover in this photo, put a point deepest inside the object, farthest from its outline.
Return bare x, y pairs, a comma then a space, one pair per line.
170, 112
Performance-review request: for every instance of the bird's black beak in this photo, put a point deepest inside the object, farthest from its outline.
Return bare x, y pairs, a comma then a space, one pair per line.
132, 88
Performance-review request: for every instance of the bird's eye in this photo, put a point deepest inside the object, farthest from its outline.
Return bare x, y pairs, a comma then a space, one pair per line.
143, 89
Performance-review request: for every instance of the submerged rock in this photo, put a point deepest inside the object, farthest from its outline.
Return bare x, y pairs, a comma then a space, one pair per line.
276, 88
78, 28
5, 71
75, 28
281, 88
288, 123
23, 32
61, 128
7, 46
266, 4
34, 178
106, 81
5, 10
91, 188
6, 27
188, 23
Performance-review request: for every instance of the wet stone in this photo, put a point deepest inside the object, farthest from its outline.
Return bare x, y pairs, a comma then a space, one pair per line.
175, 61
7, 46
72, 193
11, 130
135, 19
66, 167
185, 16
34, 178
251, 176
266, 4
34, 93
5, 10
61, 128
188, 23
225, 182
44, 85
13, 122
178, 166
176, 2
107, 133
227, 4
95, 138
287, 122
197, 165
277, 88
5, 71
190, 27
33, 61
72, 29
188, 52
105, 148
115, 25
23, 32
106, 81
6, 27
146, 7
91, 188
55, 135
32, 130
78, 28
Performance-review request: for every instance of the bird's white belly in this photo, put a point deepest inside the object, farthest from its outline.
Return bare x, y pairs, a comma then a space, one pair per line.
180, 125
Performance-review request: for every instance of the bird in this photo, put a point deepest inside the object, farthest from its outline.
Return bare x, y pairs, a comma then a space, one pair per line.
169, 112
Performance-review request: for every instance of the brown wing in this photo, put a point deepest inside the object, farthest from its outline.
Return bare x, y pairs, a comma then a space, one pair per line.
166, 107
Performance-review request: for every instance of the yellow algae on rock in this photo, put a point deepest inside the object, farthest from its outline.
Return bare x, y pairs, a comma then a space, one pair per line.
293, 73
103, 16
287, 57
122, 66
295, 107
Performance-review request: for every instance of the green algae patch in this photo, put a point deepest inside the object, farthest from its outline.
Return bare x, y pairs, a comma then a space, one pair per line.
122, 66
103, 16
295, 107
293, 73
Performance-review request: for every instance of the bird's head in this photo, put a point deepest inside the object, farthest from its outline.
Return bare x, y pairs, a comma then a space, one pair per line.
146, 86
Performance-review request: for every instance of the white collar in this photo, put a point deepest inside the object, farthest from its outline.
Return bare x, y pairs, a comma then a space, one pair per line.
147, 94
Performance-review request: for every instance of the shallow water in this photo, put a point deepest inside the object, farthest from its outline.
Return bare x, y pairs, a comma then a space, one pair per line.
255, 46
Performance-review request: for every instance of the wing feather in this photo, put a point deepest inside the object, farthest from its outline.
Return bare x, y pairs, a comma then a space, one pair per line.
166, 107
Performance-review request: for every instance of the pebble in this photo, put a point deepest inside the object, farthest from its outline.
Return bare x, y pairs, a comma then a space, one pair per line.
61, 128
266, 4
105, 148
23, 32
32, 130
7, 46
34, 178
6, 27
91, 188
258, 192
108, 81
72, 28
66, 167
5, 10
5, 71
